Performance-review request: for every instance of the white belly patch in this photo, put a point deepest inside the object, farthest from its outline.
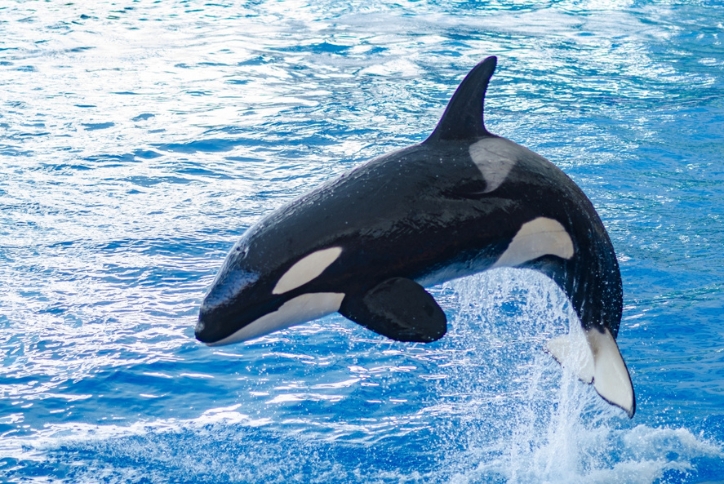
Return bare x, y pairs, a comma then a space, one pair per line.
539, 237
295, 311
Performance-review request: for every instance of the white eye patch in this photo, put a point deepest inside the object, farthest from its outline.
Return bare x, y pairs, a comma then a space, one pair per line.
539, 237
306, 269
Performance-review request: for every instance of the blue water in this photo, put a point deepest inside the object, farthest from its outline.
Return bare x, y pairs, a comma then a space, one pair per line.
139, 140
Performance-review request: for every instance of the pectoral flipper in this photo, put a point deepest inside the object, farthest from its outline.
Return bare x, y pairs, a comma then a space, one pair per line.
398, 308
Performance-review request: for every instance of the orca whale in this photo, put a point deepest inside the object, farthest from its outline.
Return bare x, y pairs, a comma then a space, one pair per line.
462, 201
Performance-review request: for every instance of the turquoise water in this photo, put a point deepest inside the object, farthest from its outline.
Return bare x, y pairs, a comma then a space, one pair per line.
139, 140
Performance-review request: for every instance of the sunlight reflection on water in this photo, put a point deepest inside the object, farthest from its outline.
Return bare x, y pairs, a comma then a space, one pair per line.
139, 141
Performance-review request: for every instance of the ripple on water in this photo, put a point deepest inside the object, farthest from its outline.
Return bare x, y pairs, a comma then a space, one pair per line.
139, 142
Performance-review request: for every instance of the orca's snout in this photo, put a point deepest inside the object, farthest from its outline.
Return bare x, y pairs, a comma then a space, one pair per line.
219, 315
205, 329
216, 324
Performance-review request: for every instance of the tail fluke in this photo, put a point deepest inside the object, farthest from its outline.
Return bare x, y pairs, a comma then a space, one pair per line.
594, 356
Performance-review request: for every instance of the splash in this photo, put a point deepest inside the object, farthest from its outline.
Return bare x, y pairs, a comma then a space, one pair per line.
498, 409
555, 428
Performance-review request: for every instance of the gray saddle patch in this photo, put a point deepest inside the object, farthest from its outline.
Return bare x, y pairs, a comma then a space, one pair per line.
494, 157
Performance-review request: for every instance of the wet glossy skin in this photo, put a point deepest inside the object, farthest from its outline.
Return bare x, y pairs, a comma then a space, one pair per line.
424, 213
420, 213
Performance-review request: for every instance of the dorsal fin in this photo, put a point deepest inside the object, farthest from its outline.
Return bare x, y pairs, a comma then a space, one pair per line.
463, 117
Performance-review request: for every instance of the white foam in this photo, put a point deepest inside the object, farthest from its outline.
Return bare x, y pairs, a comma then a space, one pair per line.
505, 411
550, 427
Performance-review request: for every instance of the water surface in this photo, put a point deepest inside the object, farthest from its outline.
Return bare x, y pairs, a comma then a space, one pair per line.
139, 140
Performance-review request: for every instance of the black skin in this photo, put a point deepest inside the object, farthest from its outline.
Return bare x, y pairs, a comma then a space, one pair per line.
412, 213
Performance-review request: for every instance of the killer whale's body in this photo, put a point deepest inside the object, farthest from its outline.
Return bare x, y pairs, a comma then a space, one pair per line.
461, 202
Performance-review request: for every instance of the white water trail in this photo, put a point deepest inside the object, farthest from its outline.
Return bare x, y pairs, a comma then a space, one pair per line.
552, 428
